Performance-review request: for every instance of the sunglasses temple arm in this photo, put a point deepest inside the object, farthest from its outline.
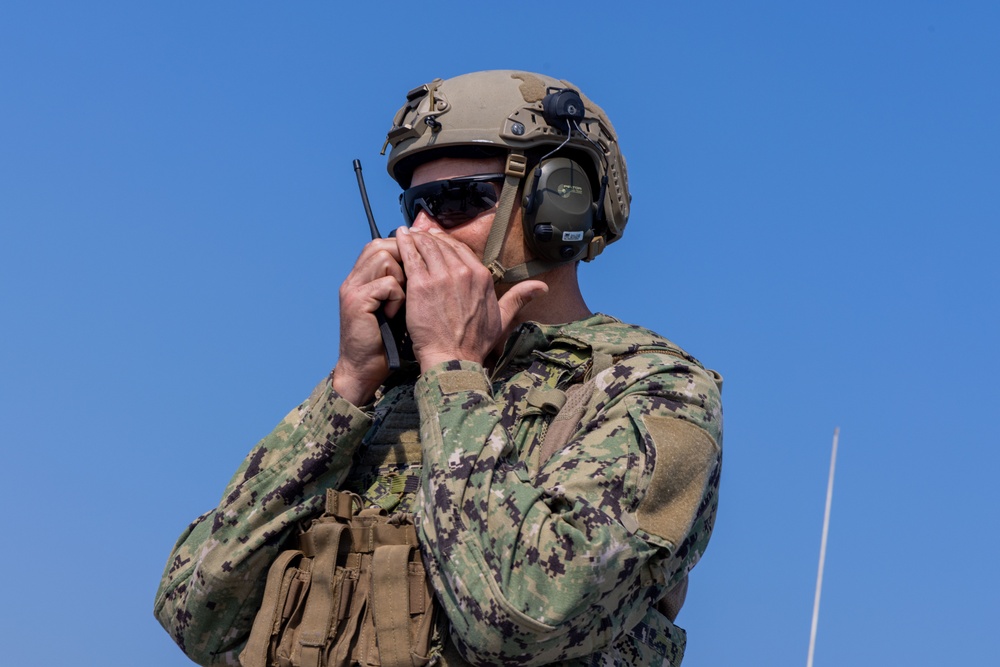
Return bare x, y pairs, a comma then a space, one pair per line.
388, 340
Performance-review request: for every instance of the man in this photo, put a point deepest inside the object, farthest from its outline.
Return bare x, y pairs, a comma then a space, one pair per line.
561, 467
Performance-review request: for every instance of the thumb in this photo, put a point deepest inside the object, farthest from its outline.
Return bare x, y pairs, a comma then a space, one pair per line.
517, 297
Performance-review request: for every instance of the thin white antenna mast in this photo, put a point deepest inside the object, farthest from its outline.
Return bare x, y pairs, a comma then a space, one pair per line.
822, 547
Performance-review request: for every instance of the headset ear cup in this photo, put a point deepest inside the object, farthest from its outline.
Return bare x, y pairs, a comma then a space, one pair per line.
559, 210
535, 240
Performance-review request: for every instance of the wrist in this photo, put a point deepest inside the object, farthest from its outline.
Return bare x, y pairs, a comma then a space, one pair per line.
354, 388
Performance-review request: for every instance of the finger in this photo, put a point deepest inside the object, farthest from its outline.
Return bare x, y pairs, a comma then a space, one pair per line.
459, 247
380, 245
516, 298
395, 295
436, 255
413, 261
377, 259
392, 267
444, 253
369, 296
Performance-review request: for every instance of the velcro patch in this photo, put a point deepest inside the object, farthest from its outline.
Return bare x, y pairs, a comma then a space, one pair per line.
686, 455
455, 381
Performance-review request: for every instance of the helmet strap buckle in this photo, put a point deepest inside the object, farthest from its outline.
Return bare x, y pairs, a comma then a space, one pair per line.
596, 247
517, 165
496, 270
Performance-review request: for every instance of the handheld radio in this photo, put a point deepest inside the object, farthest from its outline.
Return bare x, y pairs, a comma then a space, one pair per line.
385, 328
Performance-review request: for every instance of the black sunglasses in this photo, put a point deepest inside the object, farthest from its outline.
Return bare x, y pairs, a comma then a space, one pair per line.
451, 202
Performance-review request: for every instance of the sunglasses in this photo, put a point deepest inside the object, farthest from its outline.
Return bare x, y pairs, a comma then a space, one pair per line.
451, 202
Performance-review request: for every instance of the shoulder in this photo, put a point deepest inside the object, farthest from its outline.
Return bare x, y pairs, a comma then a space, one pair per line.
650, 377
606, 335
613, 336
621, 369
625, 354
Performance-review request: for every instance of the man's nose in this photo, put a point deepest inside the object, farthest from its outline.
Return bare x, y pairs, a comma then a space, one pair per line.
424, 222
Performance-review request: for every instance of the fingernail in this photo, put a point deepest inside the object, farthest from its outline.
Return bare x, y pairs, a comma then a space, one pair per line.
403, 230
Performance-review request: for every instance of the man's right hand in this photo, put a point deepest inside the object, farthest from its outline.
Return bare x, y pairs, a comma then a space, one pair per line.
376, 279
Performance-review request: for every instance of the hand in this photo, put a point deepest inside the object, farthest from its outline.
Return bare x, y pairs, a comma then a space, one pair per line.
452, 310
376, 279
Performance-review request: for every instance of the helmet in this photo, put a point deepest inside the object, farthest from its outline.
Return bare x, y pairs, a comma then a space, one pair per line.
562, 154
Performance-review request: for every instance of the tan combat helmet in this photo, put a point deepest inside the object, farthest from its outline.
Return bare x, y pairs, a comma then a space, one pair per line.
524, 117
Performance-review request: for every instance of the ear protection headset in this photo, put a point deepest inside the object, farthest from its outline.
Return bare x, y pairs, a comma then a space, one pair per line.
559, 209
558, 214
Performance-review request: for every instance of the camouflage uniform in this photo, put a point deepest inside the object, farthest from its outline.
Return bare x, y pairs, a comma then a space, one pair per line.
535, 562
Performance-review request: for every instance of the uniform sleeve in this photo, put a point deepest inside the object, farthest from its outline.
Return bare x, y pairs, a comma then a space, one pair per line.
214, 579
533, 571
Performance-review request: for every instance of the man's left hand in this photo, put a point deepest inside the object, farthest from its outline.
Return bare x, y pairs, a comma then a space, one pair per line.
452, 310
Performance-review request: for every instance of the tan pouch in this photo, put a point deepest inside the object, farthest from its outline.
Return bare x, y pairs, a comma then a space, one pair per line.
355, 592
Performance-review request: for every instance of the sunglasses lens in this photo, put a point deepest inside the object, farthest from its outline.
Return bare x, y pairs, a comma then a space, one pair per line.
453, 202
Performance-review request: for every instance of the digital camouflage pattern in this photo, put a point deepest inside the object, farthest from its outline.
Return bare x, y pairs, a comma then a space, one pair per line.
535, 562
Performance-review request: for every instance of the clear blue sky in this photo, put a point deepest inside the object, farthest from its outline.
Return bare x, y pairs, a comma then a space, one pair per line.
816, 195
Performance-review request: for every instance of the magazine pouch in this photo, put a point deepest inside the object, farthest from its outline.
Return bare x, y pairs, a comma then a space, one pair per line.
354, 593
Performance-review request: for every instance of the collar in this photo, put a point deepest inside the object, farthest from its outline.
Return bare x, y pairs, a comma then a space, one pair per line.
563, 344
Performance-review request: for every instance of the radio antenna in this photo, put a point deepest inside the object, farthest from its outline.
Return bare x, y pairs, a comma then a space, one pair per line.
822, 548
364, 200
388, 340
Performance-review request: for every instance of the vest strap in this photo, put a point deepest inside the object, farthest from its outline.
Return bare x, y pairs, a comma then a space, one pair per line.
318, 614
390, 582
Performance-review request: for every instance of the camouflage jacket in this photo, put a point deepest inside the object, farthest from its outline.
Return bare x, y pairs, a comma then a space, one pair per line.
536, 562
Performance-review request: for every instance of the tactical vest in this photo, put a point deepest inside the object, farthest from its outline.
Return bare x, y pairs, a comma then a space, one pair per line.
355, 590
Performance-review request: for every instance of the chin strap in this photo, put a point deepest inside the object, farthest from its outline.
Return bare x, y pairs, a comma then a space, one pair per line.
516, 274
515, 170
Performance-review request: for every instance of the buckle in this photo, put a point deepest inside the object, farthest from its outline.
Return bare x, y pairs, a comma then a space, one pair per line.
497, 270
517, 165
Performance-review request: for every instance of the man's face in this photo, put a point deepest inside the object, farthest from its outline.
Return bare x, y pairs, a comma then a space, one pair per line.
475, 232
